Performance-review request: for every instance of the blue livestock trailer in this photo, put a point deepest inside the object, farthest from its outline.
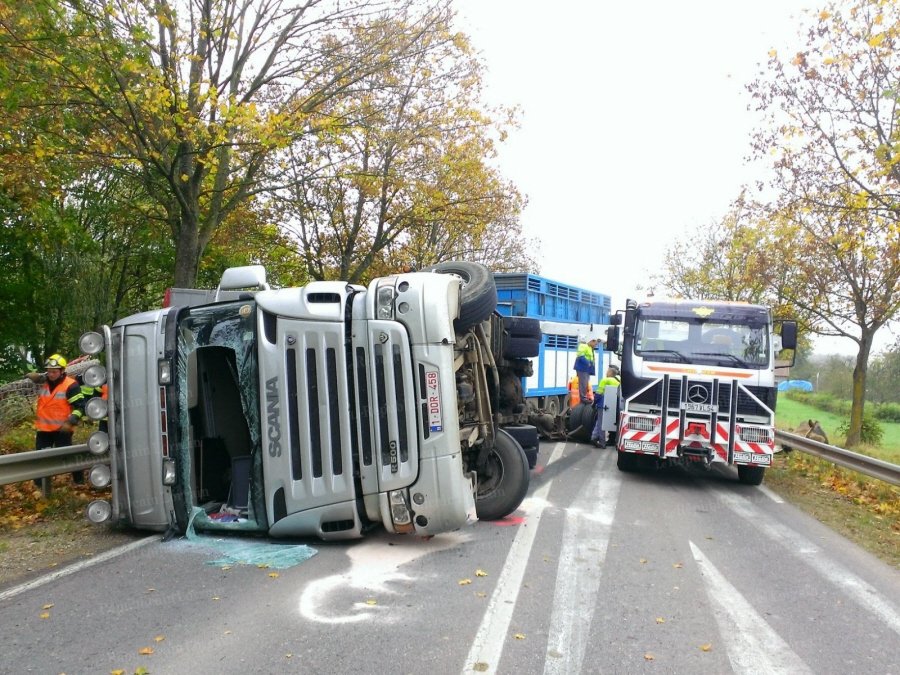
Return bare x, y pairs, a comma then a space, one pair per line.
566, 313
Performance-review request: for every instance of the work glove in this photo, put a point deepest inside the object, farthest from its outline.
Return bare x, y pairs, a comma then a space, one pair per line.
67, 427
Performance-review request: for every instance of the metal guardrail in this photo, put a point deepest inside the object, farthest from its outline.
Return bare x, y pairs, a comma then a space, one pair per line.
35, 464
870, 466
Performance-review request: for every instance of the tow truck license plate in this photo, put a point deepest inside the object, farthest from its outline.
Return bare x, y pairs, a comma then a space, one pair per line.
752, 458
700, 407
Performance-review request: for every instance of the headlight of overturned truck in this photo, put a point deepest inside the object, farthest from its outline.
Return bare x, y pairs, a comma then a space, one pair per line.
91, 343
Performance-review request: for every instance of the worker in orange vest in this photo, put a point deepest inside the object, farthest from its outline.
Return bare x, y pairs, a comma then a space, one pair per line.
60, 407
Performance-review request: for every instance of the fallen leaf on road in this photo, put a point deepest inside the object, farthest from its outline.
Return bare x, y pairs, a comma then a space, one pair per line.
216, 597
643, 561
659, 619
480, 667
145, 651
707, 647
371, 601
274, 575
159, 638
45, 615
480, 573
481, 594
140, 670
117, 672
677, 566
519, 636
648, 656
465, 582
47, 606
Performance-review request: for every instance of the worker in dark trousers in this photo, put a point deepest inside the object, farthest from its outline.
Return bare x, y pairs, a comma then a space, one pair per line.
60, 407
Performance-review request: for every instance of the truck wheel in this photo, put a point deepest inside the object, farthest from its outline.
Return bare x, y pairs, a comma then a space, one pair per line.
581, 422
522, 327
479, 293
627, 462
751, 475
521, 347
506, 479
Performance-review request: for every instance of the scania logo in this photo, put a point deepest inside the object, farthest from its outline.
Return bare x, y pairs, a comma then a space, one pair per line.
697, 393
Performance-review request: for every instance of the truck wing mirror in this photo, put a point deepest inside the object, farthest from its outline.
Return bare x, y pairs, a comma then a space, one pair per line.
249, 276
612, 339
616, 319
789, 335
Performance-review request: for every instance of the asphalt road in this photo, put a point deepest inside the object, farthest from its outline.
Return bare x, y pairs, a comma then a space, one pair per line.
599, 572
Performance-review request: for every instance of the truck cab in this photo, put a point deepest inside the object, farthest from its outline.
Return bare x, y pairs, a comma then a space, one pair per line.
698, 383
322, 410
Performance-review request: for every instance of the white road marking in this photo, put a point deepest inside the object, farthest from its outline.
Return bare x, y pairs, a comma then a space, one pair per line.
487, 647
585, 540
752, 645
771, 495
373, 565
76, 567
863, 593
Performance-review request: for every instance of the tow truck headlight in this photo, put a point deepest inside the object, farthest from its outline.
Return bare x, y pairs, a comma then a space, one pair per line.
98, 511
98, 442
96, 408
100, 475
384, 303
168, 467
94, 375
91, 343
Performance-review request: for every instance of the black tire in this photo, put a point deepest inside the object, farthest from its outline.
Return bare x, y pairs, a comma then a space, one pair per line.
479, 293
527, 437
751, 475
627, 462
581, 422
551, 405
501, 492
521, 348
522, 327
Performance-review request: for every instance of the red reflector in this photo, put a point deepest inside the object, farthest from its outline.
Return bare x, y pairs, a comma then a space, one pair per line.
165, 446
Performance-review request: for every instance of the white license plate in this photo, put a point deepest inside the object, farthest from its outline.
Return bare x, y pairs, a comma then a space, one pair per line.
700, 407
752, 458
643, 446
433, 400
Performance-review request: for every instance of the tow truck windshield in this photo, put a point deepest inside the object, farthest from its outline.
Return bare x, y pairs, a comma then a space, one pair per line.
735, 344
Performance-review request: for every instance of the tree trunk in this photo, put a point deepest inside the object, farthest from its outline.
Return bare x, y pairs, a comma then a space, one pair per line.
859, 388
187, 252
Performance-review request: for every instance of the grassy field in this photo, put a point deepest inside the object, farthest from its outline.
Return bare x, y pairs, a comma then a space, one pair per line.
863, 509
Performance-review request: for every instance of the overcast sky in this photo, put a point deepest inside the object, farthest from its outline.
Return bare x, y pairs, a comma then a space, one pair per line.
635, 126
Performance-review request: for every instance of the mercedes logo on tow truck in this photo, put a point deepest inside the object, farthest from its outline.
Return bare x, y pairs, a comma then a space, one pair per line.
697, 393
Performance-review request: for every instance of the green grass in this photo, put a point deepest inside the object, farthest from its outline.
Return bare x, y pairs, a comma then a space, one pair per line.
792, 413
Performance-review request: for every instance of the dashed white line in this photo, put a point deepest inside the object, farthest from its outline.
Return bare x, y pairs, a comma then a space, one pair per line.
863, 593
585, 540
753, 646
487, 647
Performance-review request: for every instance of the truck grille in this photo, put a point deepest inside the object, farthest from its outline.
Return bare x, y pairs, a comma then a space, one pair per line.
702, 392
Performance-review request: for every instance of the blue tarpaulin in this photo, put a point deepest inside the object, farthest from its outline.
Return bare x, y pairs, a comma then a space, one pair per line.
802, 385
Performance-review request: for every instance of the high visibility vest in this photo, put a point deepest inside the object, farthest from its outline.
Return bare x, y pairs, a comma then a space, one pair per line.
53, 408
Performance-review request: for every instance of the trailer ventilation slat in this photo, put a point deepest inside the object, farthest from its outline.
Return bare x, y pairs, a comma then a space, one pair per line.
335, 440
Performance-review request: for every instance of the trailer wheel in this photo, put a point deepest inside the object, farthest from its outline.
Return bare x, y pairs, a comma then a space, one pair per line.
479, 293
751, 475
551, 406
504, 482
627, 462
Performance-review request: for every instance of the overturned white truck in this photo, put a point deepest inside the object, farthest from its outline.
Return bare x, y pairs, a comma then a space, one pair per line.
319, 411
